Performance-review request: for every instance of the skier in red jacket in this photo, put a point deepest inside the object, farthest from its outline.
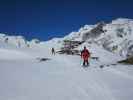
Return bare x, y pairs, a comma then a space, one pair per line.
85, 54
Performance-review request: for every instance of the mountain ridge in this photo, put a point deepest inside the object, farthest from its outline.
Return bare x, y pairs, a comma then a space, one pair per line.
115, 37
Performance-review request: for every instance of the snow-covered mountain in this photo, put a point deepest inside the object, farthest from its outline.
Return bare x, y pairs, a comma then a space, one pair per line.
118, 36
25, 77
14, 41
115, 37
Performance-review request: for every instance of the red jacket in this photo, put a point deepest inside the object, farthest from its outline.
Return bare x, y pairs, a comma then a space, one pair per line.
85, 54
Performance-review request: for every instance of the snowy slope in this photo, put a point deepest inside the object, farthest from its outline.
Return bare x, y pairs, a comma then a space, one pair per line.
9, 54
63, 78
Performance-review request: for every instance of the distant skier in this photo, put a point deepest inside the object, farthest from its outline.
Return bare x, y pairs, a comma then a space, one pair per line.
53, 51
85, 54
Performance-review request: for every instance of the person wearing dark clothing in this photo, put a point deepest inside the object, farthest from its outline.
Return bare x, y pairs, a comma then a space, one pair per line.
85, 54
53, 51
